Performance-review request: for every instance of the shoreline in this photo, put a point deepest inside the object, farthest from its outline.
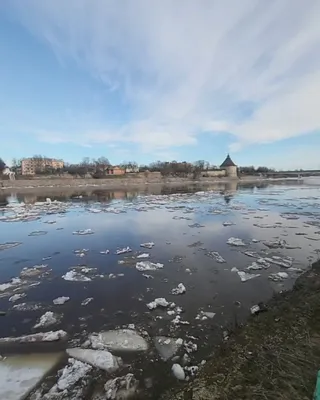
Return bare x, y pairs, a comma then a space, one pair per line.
128, 183
275, 355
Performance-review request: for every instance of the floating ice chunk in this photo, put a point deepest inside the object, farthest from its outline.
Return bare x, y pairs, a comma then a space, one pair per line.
75, 276
124, 250
190, 347
72, 373
105, 252
178, 372
228, 223
278, 276
119, 340
148, 266
33, 271
17, 297
177, 321
234, 269
13, 283
148, 276
97, 358
86, 301
27, 307
167, 347
275, 244
143, 255
159, 302
235, 242
36, 337
61, 300
285, 262
203, 315
82, 232
94, 210
38, 233
254, 266
47, 319
121, 388
295, 269
179, 290
216, 256
209, 314
147, 245
9, 245
255, 309
244, 276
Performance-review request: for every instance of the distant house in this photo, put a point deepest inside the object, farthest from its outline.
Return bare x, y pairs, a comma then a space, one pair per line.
29, 166
116, 170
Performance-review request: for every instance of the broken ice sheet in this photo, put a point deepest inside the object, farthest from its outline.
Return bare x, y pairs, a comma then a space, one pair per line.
75, 277
82, 232
72, 373
119, 340
38, 233
166, 346
47, 319
235, 242
216, 256
148, 266
147, 245
51, 336
86, 301
123, 250
61, 300
9, 245
143, 255
97, 358
196, 225
180, 289
17, 297
159, 302
36, 270
278, 276
123, 387
244, 276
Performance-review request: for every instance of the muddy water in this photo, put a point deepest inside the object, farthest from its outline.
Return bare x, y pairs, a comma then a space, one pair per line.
184, 225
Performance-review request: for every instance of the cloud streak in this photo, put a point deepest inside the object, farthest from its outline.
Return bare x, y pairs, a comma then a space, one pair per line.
185, 68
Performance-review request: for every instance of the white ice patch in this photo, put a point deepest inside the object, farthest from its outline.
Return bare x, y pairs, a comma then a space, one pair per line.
178, 372
86, 301
143, 255
47, 319
17, 297
147, 245
216, 256
167, 347
75, 277
121, 388
159, 302
124, 250
179, 290
148, 266
278, 276
119, 340
36, 337
61, 300
235, 242
244, 276
72, 373
13, 283
82, 232
97, 358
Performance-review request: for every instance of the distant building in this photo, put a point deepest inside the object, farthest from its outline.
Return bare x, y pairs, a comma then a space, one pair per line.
116, 170
230, 167
30, 166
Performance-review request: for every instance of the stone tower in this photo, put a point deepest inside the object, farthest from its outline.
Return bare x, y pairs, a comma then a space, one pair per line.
230, 167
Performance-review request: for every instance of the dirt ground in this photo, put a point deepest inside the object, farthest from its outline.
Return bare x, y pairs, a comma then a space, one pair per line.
275, 356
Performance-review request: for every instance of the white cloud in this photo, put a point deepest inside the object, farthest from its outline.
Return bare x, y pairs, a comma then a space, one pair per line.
186, 67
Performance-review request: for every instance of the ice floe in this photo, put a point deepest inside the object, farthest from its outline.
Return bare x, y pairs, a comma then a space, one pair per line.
75, 276
97, 358
215, 255
17, 297
47, 319
180, 289
244, 276
121, 388
143, 255
235, 242
61, 300
72, 373
159, 302
119, 340
83, 232
9, 245
166, 346
51, 336
124, 250
148, 266
147, 245
178, 372
278, 276
86, 301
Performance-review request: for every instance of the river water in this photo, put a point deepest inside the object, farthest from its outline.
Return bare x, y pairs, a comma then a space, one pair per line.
186, 225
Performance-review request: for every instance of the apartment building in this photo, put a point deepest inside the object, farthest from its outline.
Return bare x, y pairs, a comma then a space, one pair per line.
29, 166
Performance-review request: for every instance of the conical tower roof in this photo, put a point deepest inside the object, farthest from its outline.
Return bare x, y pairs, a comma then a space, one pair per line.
227, 163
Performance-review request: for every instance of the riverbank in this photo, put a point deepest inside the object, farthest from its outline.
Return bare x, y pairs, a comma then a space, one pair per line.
276, 355
127, 183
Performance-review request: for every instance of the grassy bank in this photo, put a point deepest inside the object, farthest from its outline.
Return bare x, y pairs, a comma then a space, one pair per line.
276, 355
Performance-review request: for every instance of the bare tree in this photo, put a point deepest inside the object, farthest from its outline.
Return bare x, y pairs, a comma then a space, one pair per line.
2, 165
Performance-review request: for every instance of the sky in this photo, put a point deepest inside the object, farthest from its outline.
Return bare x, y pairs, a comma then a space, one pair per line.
161, 80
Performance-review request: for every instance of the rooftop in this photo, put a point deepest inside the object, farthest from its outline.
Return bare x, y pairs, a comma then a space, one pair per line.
227, 163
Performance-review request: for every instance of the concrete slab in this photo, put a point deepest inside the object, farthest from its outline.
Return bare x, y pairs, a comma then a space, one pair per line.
19, 374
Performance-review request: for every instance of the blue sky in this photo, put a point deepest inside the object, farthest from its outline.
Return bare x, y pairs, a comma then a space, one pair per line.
161, 80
